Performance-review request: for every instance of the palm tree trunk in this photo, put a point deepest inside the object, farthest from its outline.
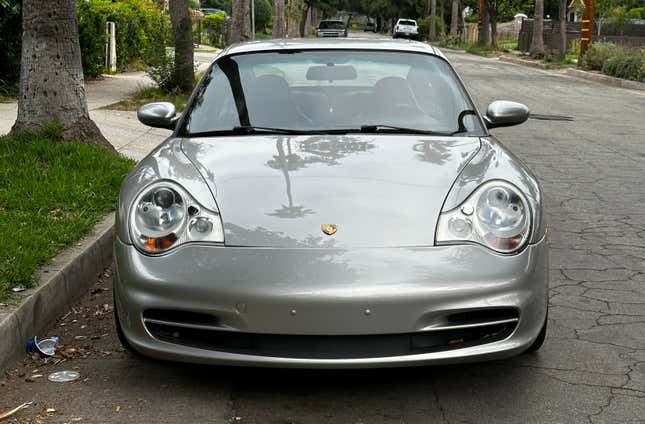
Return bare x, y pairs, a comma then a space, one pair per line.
433, 20
303, 19
454, 16
484, 28
182, 28
240, 21
563, 29
51, 74
493, 27
279, 29
442, 23
537, 42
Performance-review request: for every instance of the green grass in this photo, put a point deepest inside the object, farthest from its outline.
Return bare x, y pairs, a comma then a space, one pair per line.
51, 194
555, 62
479, 49
508, 44
154, 94
150, 95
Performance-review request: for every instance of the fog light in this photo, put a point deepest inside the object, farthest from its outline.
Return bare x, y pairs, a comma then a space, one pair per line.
200, 226
459, 226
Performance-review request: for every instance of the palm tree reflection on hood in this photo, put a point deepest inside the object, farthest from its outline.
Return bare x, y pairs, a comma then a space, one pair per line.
288, 161
320, 150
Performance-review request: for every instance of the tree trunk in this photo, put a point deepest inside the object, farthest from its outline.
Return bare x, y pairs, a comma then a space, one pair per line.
51, 73
303, 21
182, 28
484, 28
433, 20
563, 29
279, 27
537, 42
454, 16
426, 8
240, 21
442, 24
493, 28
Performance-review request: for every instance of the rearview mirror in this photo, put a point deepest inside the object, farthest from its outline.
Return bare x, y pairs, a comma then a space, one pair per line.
158, 115
331, 73
503, 113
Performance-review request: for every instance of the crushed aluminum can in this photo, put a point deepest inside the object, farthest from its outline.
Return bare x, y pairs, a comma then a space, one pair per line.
63, 376
19, 288
46, 347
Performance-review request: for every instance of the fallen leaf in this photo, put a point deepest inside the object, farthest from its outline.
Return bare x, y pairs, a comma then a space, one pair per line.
118, 408
7, 414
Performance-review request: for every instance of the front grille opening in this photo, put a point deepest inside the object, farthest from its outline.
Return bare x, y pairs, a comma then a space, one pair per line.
330, 347
183, 317
482, 316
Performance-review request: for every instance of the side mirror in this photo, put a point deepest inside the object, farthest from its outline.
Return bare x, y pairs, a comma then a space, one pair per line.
158, 115
503, 113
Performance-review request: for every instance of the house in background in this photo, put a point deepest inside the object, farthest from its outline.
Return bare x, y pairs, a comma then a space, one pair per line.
574, 11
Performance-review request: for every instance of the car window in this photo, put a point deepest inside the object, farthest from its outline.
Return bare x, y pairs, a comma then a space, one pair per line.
411, 23
326, 90
331, 25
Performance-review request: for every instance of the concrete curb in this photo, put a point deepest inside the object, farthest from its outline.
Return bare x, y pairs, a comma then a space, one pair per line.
62, 283
606, 79
524, 62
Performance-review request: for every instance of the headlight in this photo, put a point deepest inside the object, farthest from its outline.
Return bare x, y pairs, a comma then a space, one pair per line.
496, 215
164, 216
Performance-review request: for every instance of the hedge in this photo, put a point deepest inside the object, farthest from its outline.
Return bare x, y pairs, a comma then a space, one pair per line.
10, 30
615, 61
142, 33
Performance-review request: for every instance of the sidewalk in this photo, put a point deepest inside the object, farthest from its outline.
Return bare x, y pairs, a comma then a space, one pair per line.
121, 128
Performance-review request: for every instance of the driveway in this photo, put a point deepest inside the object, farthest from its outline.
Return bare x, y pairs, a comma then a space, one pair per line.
591, 369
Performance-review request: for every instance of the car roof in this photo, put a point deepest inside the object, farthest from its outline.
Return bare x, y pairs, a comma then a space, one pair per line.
336, 44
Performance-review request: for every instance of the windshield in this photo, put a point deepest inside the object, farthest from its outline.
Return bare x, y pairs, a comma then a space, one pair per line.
410, 23
331, 25
330, 90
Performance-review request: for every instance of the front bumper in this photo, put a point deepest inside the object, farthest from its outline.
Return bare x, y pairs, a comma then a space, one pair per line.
323, 293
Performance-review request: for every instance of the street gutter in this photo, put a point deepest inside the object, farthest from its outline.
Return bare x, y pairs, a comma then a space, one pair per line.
60, 284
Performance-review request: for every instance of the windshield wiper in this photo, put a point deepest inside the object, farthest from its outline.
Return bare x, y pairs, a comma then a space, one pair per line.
372, 129
250, 130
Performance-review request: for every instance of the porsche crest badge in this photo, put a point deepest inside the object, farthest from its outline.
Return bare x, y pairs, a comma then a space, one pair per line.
329, 229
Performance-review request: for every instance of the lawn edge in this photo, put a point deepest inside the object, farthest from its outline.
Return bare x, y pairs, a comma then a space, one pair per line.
60, 284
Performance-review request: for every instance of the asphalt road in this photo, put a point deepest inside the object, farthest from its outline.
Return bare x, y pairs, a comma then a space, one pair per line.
591, 369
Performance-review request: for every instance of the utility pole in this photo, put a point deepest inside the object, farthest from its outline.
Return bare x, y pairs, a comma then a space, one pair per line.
252, 19
587, 26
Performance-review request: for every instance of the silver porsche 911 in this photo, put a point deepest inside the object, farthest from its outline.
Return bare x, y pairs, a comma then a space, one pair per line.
331, 204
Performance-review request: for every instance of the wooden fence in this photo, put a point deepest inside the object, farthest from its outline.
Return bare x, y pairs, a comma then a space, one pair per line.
632, 35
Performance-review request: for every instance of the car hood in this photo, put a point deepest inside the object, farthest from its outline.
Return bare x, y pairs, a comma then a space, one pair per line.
379, 190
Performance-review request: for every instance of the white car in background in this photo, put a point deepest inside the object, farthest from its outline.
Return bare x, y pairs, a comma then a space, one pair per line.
406, 28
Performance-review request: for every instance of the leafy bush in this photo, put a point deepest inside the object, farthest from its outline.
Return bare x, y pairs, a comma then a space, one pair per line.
597, 55
163, 74
214, 26
263, 14
10, 30
626, 64
142, 33
636, 13
615, 61
424, 27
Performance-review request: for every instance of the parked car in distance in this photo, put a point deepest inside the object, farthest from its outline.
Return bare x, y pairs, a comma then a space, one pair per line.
370, 26
332, 28
331, 203
406, 28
